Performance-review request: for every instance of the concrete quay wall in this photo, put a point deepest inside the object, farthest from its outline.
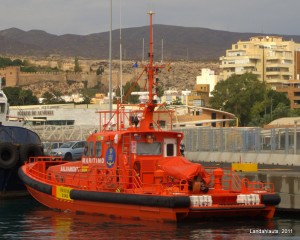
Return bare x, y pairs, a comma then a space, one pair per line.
261, 158
286, 183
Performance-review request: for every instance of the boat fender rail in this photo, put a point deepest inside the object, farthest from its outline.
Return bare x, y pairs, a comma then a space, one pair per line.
42, 187
133, 199
270, 199
9, 155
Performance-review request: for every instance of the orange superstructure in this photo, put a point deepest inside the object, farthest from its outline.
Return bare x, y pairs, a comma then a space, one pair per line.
133, 169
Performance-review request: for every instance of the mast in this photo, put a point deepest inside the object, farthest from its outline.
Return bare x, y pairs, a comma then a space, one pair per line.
110, 62
162, 50
121, 65
147, 121
150, 68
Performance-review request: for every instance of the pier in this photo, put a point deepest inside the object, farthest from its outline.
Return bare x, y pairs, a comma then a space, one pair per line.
286, 177
276, 151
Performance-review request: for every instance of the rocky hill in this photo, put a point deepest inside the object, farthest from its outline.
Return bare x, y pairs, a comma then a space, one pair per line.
179, 43
186, 49
180, 75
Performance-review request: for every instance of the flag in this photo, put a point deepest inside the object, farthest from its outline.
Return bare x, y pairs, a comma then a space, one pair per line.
169, 67
135, 65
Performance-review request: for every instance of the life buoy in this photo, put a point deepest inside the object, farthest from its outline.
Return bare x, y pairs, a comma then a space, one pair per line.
8, 155
29, 150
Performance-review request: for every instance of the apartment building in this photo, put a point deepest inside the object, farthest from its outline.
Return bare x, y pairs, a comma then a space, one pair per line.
292, 90
209, 77
269, 57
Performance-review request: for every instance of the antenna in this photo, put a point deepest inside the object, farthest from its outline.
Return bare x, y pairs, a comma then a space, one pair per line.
121, 65
151, 72
110, 62
143, 50
162, 50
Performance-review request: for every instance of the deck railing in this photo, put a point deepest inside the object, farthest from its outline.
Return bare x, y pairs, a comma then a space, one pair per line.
129, 180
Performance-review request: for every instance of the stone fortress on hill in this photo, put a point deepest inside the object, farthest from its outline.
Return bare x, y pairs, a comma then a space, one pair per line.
180, 74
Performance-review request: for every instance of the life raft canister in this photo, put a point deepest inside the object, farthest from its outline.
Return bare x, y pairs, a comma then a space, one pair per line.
8, 155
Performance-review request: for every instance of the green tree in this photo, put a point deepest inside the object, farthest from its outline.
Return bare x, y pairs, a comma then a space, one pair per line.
177, 101
86, 99
17, 62
160, 91
47, 97
28, 69
4, 62
238, 94
17, 96
52, 97
12, 94
77, 66
100, 70
27, 98
281, 110
251, 100
128, 88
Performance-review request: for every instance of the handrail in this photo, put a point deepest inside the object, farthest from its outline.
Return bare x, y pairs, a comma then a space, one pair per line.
128, 180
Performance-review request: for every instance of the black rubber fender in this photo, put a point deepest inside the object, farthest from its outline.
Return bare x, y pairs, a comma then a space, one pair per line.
30, 150
123, 198
9, 155
270, 199
42, 187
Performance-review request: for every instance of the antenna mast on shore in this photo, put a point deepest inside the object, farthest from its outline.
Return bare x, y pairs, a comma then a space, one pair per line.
110, 61
121, 64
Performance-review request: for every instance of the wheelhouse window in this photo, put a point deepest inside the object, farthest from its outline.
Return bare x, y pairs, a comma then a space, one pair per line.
91, 148
2, 107
170, 149
98, 149
85, 150
148, 148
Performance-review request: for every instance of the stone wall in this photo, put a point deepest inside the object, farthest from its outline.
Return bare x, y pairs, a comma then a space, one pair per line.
14, 77
11, 75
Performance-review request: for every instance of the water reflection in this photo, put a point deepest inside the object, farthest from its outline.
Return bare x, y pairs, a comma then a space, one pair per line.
27, 219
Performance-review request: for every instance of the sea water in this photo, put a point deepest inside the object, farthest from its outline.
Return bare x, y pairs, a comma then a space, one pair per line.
25, 218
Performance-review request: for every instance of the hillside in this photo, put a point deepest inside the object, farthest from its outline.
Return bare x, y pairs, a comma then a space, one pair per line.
182, 75
179, 43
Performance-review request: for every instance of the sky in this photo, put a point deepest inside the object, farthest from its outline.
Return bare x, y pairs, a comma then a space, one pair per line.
93, 16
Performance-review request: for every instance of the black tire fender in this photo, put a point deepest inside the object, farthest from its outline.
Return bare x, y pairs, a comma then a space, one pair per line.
29, 150
8, 155
271, 199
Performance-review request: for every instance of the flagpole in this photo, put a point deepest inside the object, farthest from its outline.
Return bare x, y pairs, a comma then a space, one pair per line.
162, 50
121, 65
143, 51
110, 62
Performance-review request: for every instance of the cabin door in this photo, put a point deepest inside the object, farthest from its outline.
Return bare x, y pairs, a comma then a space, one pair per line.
170, 147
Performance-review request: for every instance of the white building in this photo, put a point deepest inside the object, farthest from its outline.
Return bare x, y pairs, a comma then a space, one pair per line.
208, 77
172, 94
271, 58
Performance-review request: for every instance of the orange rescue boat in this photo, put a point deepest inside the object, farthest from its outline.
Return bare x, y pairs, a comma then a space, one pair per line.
133, 169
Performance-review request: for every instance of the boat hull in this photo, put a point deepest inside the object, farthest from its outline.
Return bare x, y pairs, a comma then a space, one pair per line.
10, 184
17, 144
135, 206
112, 210
158, 214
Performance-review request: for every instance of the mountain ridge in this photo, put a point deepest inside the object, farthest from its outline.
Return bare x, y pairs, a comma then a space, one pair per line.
179, 43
